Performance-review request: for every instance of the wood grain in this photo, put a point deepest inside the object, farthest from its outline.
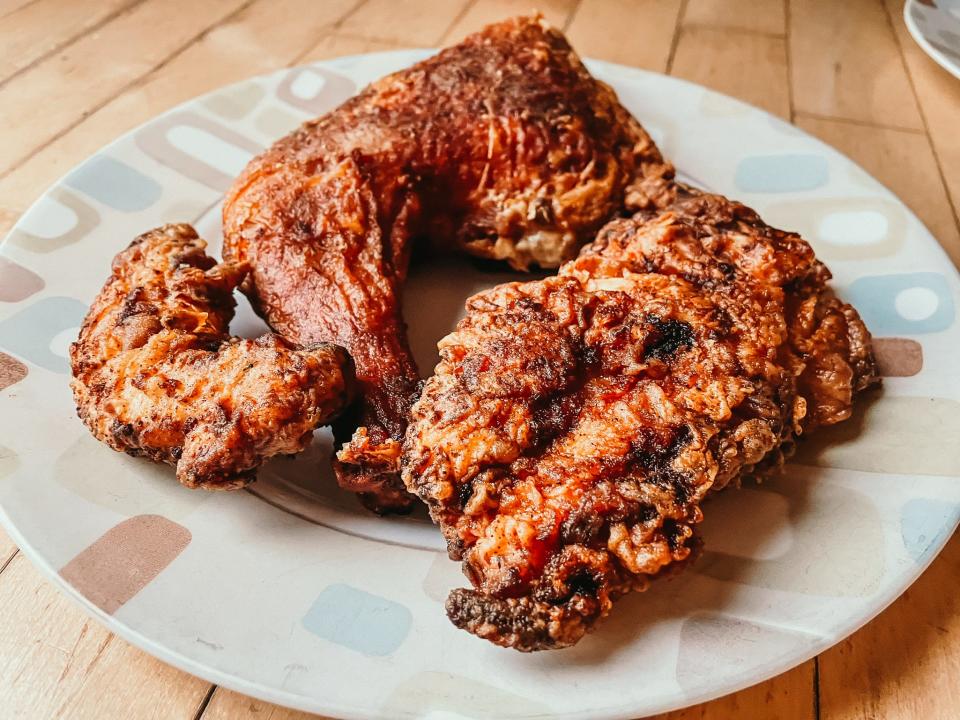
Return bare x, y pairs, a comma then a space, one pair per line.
786, 697
748, 66
33, 30
603, 29
72, 83
10, 6
776, 699
765, 16
418, 23
8, 549
229, 705
335, 45
845, 63
264, 36
904, 664
58, 663
483, 12
904, 162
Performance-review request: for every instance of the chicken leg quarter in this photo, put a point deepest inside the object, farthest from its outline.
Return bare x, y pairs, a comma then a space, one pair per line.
502, 146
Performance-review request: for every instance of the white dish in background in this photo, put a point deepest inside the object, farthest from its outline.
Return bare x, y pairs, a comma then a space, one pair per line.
935, 25
294, 594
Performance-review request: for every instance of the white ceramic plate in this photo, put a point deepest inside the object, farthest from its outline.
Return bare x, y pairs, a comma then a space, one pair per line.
935, 25
293, 594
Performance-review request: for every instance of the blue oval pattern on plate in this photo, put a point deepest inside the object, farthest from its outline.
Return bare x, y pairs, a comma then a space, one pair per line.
115, 184
30, 332
781, 173
369, 624
876, 298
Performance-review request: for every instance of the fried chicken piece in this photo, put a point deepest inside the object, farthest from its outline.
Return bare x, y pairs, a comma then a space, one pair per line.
502, 146
575, 424
157, 374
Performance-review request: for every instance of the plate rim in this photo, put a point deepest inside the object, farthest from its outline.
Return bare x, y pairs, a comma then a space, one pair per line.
925, 45
316, 704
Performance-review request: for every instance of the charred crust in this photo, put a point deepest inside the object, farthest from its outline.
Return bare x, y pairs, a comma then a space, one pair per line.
522, 623
667, 338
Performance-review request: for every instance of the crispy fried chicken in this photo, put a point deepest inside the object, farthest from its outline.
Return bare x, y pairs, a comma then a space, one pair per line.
156, 373
575, 424
502, 146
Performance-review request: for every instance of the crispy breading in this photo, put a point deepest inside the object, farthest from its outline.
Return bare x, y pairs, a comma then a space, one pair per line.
502, 146
157, 374
575, 424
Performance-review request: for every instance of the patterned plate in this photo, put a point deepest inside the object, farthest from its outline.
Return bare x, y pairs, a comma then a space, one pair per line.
291, 593
935, 25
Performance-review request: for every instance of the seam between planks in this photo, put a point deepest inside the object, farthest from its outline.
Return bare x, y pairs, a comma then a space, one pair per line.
859, 123
351, 12
816, 688
789, 56
18, 9
734, 29
334, 31
202, 707
9, 560
72, 39
133, 83
675, 40
573, 13
456, 18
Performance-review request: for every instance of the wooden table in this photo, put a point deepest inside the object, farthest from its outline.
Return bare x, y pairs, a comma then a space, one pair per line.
74, 74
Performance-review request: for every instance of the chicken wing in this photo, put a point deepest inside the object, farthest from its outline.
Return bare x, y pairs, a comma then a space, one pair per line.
502, 146
575, 424
156, 373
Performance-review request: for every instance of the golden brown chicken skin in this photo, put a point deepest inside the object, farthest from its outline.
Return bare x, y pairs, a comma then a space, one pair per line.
502, 146
157, 374
575, 424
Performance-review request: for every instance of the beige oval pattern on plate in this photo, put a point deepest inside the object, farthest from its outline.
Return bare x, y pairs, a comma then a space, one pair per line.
844, 228
125, 559
17, 282
12, 371
899, 435
898, 357
8, 462
806, 566
59, 219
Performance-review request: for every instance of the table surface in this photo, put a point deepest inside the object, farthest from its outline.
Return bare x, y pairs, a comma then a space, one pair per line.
74, 74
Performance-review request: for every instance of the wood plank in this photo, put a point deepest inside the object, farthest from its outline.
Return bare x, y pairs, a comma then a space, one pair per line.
906, 662
938, 93
34, 30
766, 16
632, 32
484, 12
418, 23
8, 548
228, 705
746, 65
266, 35
845, 63
776, 699
335, 45
903, 161
80, 78
10, 6
56, 662
786, 697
